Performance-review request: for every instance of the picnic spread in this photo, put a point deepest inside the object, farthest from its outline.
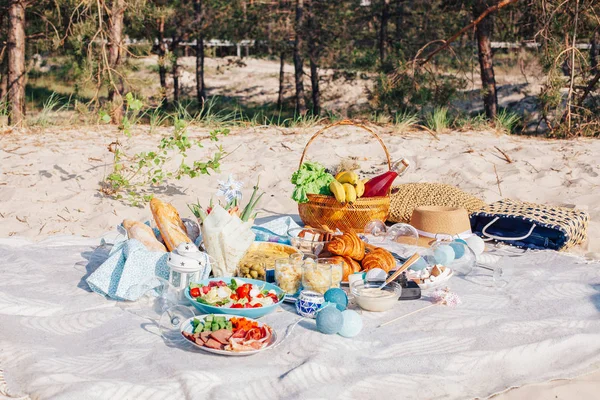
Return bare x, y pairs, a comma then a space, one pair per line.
444, 301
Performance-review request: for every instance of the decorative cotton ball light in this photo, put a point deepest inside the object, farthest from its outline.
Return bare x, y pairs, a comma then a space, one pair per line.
338, 297
352, 324
443, 254
329, 319
419, 265
458, 246
476, 244
376, 274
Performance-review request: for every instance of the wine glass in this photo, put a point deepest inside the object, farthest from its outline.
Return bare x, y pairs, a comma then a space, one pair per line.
159, 301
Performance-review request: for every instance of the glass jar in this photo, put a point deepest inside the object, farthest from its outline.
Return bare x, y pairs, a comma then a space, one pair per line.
288, 275
337, 270
316, 278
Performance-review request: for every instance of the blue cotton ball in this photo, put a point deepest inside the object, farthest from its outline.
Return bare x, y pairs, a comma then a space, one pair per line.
329, 320
444, 255
351, 325
459, 248
419, 265
338, 297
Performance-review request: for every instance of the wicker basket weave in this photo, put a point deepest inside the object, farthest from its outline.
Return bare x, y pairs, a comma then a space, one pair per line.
325, 212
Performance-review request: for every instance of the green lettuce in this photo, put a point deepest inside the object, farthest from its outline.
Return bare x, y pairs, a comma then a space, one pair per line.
311, 178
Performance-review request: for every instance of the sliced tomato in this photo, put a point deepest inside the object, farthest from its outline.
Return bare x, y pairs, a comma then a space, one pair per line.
234, 297
205, 289
273, 297
237, 305
257, 305
221, 284
242, 291
195, 292
248, 305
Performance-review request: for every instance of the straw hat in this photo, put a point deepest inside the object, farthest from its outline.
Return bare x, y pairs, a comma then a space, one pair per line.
443, 222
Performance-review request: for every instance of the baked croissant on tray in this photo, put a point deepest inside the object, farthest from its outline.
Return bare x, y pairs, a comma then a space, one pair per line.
347, 245
379, 258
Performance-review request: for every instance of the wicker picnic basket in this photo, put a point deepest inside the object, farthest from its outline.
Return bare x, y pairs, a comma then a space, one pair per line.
324, 212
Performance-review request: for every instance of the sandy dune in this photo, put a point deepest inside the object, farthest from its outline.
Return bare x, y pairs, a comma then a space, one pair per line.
49, 181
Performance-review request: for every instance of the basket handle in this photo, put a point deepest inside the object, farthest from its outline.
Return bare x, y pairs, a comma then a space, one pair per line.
347, 122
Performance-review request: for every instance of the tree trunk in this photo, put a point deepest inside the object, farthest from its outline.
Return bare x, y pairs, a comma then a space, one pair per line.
281, 80
483, 33
313, 59
399, 20
314, 80
175, 70
595, 52
16, 62
385, 17
200, 89
162, 60
3, 82
115, 57
298, 67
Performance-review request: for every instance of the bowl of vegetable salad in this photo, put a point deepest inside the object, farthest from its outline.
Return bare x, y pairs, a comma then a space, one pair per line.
249, 298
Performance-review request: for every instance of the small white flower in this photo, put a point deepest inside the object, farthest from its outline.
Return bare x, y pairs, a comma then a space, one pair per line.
230, 189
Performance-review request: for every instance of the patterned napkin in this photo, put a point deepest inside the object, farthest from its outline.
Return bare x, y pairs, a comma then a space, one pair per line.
129, 265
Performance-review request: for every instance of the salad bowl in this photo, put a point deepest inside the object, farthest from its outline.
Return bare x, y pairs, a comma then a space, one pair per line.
244, 312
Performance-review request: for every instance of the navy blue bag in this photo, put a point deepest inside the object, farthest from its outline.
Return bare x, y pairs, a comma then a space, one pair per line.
531, 226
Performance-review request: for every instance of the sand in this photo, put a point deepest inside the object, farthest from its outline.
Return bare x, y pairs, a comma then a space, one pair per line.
49, 181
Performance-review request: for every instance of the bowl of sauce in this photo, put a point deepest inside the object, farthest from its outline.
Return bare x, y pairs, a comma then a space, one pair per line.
370, 298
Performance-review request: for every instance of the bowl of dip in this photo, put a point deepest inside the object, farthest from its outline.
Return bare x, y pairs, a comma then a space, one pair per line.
370, 298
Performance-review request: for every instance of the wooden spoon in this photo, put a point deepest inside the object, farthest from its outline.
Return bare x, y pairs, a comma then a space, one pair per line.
400, 270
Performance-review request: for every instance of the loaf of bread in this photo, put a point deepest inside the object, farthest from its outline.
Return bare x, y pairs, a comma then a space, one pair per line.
169, 224
143, 233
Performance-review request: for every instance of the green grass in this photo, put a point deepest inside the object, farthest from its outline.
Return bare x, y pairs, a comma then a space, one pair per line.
405, 120
477, 122
507, 121
438, 121
51, 105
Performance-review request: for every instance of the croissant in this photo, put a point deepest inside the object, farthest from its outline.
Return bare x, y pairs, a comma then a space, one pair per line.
349, 266
169, 224
379, 258
349, 245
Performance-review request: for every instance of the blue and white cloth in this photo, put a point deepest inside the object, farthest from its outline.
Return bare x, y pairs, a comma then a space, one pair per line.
129, 265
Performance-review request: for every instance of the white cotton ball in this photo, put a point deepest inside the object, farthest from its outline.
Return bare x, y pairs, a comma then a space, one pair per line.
476, 244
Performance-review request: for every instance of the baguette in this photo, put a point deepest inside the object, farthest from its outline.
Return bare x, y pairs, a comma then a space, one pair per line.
143, 233
169, 224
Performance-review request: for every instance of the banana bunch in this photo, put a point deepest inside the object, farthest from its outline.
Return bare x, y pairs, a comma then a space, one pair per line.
347, 187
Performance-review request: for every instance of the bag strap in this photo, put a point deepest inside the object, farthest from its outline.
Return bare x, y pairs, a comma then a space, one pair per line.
490, 236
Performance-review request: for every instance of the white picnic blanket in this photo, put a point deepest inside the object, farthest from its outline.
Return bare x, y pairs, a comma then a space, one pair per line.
58, 340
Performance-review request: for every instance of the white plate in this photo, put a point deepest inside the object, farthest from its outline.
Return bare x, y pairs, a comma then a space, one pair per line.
187, 327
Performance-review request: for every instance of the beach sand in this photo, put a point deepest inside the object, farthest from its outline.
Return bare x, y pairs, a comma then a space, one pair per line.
49, 181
